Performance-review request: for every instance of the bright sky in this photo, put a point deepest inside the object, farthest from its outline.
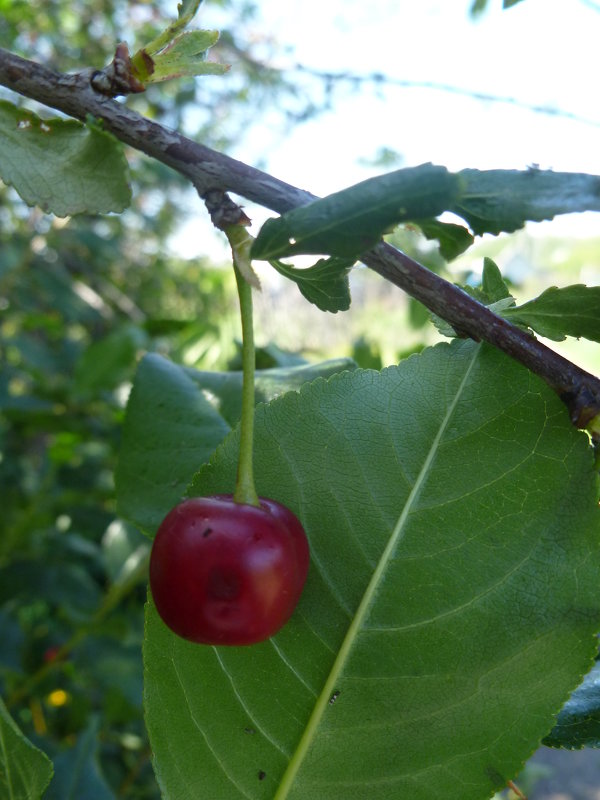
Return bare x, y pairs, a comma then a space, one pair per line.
540, 52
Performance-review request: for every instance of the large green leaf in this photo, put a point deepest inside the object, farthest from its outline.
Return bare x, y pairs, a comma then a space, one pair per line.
170, 430
175, 418
578, 724
61, 165
225, 388
349, 222
25, 771
558, 313
450, 607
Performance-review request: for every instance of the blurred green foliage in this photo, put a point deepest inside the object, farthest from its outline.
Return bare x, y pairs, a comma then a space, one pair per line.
80, 300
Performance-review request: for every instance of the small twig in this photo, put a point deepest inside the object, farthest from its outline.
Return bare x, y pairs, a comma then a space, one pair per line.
515, 789
209, 170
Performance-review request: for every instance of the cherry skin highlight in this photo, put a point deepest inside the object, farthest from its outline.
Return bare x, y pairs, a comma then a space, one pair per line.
227, 573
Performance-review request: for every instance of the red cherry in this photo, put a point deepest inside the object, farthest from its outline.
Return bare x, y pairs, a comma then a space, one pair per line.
223, 572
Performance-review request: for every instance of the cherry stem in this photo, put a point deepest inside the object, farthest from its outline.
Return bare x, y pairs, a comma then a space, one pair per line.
245, 490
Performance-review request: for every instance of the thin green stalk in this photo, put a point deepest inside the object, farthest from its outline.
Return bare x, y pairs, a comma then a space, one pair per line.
245, 490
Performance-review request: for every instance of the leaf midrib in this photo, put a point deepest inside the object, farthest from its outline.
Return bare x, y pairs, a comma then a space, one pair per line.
365, 604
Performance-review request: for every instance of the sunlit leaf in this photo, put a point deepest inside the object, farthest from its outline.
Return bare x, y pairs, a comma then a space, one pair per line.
187, 9
186, 56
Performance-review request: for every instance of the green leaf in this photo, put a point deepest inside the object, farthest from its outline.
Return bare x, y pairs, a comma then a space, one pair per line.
493, 293
186, 11
122, 547
349, 222
451, 603
493, 284
173, 54
325, 284
108, 361
77, 774
578, 724
476, 292
558, 313
69, 586
170, 430
61, 165
477, 7
25, 771
503, 200
186, 56
453, 239
225, 388
175, 418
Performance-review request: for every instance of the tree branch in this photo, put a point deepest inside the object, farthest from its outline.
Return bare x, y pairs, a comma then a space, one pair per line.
209, 170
